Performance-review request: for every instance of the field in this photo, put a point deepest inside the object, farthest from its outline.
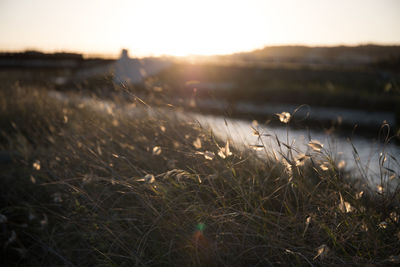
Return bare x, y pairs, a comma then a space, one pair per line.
83, 185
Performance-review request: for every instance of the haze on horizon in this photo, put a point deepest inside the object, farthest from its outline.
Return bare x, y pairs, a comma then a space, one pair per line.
150, 27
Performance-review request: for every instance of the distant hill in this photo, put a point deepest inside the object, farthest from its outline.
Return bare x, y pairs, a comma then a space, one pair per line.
40, 55
363, 54
40, 60
35, 59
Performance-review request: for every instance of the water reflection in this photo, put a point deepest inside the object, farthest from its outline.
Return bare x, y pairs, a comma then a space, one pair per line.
359, 155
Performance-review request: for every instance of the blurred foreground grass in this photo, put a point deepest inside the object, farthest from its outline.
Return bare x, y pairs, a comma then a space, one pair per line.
84, 187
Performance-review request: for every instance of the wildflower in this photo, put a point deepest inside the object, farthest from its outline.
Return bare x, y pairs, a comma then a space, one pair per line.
315, 145
324, 166
157, 150
197, 143
284, 117
36, 165
225, 151
300, 159
322, 251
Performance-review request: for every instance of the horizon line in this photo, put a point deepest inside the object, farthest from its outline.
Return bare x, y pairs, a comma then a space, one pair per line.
113, 55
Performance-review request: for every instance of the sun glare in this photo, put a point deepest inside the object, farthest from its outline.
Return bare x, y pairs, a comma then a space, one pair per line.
192, 27
189, 27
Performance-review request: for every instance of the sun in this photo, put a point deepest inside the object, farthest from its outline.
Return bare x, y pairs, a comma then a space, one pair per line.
184, 28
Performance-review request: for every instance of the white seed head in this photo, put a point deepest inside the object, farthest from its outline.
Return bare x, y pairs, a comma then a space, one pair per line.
209, 155
324, 166
36, 165
149, 178
315, 145
284, 117
197, 143
157, 150
322, 251
225, 152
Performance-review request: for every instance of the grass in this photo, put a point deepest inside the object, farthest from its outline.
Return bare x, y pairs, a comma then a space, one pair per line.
84, 187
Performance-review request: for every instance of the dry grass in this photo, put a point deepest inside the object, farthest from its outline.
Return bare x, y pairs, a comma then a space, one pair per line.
83, 187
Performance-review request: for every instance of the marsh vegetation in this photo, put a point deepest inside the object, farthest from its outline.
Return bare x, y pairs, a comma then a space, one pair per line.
101, 186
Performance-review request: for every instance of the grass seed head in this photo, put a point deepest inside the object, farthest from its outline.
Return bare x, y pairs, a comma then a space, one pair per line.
315, 145
36, 165
209, 155
157, 150
284, 117
197, 143
225, 152
324, 166
322, 252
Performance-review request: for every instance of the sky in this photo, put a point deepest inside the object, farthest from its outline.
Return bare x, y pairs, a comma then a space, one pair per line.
186, 27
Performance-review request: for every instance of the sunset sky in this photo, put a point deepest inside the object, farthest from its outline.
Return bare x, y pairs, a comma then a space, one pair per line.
184, 27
